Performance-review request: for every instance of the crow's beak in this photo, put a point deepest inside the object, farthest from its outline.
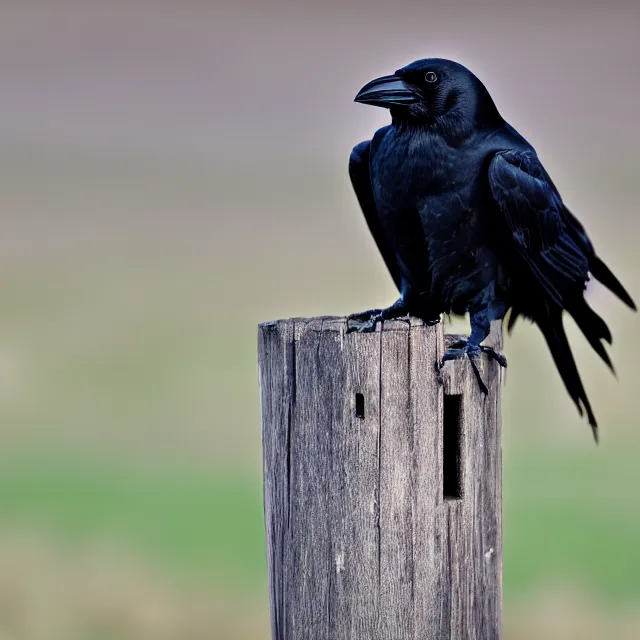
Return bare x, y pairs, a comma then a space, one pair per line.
386, 92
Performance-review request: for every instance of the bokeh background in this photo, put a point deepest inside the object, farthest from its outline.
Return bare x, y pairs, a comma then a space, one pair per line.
173, 173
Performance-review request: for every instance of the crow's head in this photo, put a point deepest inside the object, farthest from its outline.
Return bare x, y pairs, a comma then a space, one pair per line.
430, 91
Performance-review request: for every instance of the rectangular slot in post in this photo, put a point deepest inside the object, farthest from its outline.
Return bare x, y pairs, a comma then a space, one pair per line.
360, 406
451, 448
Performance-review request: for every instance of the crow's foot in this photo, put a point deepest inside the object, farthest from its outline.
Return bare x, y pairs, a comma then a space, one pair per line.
365, 321
464, 348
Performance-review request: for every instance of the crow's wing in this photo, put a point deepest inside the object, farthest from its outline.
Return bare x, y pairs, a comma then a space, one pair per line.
361, 181
534, 216
533, 211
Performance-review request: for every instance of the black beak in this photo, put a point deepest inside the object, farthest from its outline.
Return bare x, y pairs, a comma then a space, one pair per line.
386, 92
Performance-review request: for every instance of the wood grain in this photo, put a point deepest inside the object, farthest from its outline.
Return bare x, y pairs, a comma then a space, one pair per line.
361, 541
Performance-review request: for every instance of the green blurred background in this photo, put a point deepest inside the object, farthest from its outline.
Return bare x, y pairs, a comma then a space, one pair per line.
173, 173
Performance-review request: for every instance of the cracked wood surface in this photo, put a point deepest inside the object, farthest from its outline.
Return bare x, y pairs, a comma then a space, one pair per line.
361, 542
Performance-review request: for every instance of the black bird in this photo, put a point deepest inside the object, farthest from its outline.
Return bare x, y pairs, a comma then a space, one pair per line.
468, 220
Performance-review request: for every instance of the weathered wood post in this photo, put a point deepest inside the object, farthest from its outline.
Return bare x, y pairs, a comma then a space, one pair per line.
382, 485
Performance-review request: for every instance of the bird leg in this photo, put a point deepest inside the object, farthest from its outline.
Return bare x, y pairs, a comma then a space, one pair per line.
365, 321
472, 348
466, 348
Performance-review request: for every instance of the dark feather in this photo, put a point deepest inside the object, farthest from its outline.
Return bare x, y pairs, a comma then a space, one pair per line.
361, 181
553, 331
532, 209
593, 327
603, 274
597, 267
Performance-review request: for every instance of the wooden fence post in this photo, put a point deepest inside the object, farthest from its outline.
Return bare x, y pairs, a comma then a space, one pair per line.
382, 485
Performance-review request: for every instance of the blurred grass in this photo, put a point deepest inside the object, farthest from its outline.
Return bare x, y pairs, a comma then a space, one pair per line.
201, 524
209, 527
569, 519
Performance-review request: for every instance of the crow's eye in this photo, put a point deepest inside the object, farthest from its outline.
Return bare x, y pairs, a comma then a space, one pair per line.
431, 77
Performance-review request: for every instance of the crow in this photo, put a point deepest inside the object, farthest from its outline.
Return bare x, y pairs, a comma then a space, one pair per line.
468, 221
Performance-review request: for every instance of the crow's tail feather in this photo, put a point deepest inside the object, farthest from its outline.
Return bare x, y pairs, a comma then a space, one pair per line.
553, 331
602, 273
593, 327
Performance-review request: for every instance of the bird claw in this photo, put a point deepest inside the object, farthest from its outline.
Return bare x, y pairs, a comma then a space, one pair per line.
361, 323
494, 355
365, 321
463, 348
